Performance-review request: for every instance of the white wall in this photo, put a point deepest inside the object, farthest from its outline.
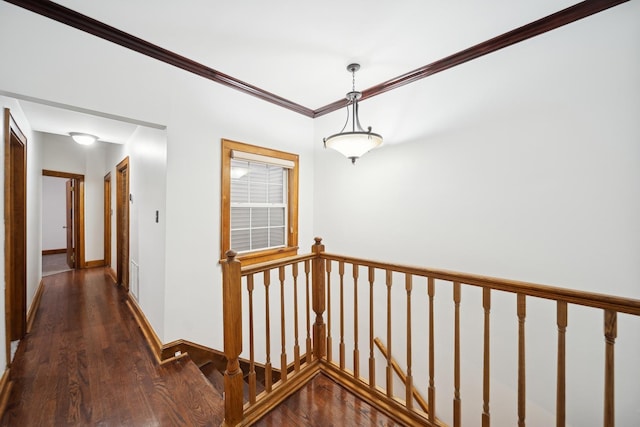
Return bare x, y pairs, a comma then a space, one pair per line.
62, 154
146, 150
524, 164
197, 114
54, 213
210, 113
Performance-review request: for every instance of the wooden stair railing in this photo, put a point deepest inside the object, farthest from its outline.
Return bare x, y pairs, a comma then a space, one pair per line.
415, 394
330, 290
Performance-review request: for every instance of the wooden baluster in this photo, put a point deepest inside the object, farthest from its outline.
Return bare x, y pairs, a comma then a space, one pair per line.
432, 387
283, 353
486, 304
372, 360
268, 374
522, 402
307, 269
610, 334
319, 299
232, 316
560, 384
457, 402
296, 344
252, 363
389, 366
356, 351
342, 352
409, 383
329, 339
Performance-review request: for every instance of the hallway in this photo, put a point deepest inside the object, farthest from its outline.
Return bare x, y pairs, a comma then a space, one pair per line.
86, 363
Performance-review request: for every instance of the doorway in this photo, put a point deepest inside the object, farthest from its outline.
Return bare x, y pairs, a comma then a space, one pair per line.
122, 223
63, 191
15, 228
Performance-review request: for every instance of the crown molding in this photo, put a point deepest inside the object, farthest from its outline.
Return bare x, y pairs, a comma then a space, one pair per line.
89, 25
84, 23
533, 29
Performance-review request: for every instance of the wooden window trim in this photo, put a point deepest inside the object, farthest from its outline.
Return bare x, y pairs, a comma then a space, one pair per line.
259, 256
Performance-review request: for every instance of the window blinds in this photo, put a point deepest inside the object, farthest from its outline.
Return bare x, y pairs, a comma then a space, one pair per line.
251, 157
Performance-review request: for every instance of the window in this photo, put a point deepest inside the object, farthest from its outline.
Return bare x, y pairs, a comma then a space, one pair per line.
259, 202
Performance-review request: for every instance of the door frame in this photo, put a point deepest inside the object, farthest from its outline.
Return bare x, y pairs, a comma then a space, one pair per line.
122, 223
107, 220
70, 228
15, 217
78, 207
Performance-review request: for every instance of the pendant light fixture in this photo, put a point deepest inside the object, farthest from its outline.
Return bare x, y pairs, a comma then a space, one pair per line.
355, 141
83, 138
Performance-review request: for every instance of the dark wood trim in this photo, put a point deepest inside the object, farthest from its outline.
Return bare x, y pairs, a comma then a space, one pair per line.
258, 256
112, 275
84, 23
33, 309
58, 174
256, 411
54, 251
533, 29
79, 222
15, 229
150, 336
376, 398
78, 206
107, 219
199, 354
123, 226
92, 26
5, 390
94, 263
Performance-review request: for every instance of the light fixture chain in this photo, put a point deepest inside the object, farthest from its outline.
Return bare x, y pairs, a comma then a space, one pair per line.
353, 80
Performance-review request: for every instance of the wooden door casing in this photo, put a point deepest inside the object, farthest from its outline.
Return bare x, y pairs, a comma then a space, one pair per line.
122, 223
15, 216
69, 224
107, 220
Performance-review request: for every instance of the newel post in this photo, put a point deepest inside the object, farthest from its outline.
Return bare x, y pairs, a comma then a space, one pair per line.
319, 297
232, 316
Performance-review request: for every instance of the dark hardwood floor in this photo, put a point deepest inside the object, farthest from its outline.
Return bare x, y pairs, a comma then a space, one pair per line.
85, 363
323, 403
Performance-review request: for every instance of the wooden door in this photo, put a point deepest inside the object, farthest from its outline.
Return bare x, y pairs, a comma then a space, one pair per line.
122, 223
71, 259
15, 216
74, 216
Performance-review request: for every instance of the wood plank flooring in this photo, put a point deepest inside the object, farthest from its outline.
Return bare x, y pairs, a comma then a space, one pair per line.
324, 403
85, 363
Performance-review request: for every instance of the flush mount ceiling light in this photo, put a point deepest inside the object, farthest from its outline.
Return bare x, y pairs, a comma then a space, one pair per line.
355, 142
83, 138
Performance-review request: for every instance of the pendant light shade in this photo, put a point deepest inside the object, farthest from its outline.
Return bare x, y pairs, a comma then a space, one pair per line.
355, 142
83, 138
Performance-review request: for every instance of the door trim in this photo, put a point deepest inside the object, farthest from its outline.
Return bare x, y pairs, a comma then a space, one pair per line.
15, 228
122, 223
78, 206
107, 219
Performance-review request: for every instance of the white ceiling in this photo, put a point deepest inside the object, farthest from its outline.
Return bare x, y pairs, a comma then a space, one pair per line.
299, 50
61, 121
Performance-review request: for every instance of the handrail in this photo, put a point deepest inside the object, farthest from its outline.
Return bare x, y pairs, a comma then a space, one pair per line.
590, 299
314, 271
403, 377
269, 265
